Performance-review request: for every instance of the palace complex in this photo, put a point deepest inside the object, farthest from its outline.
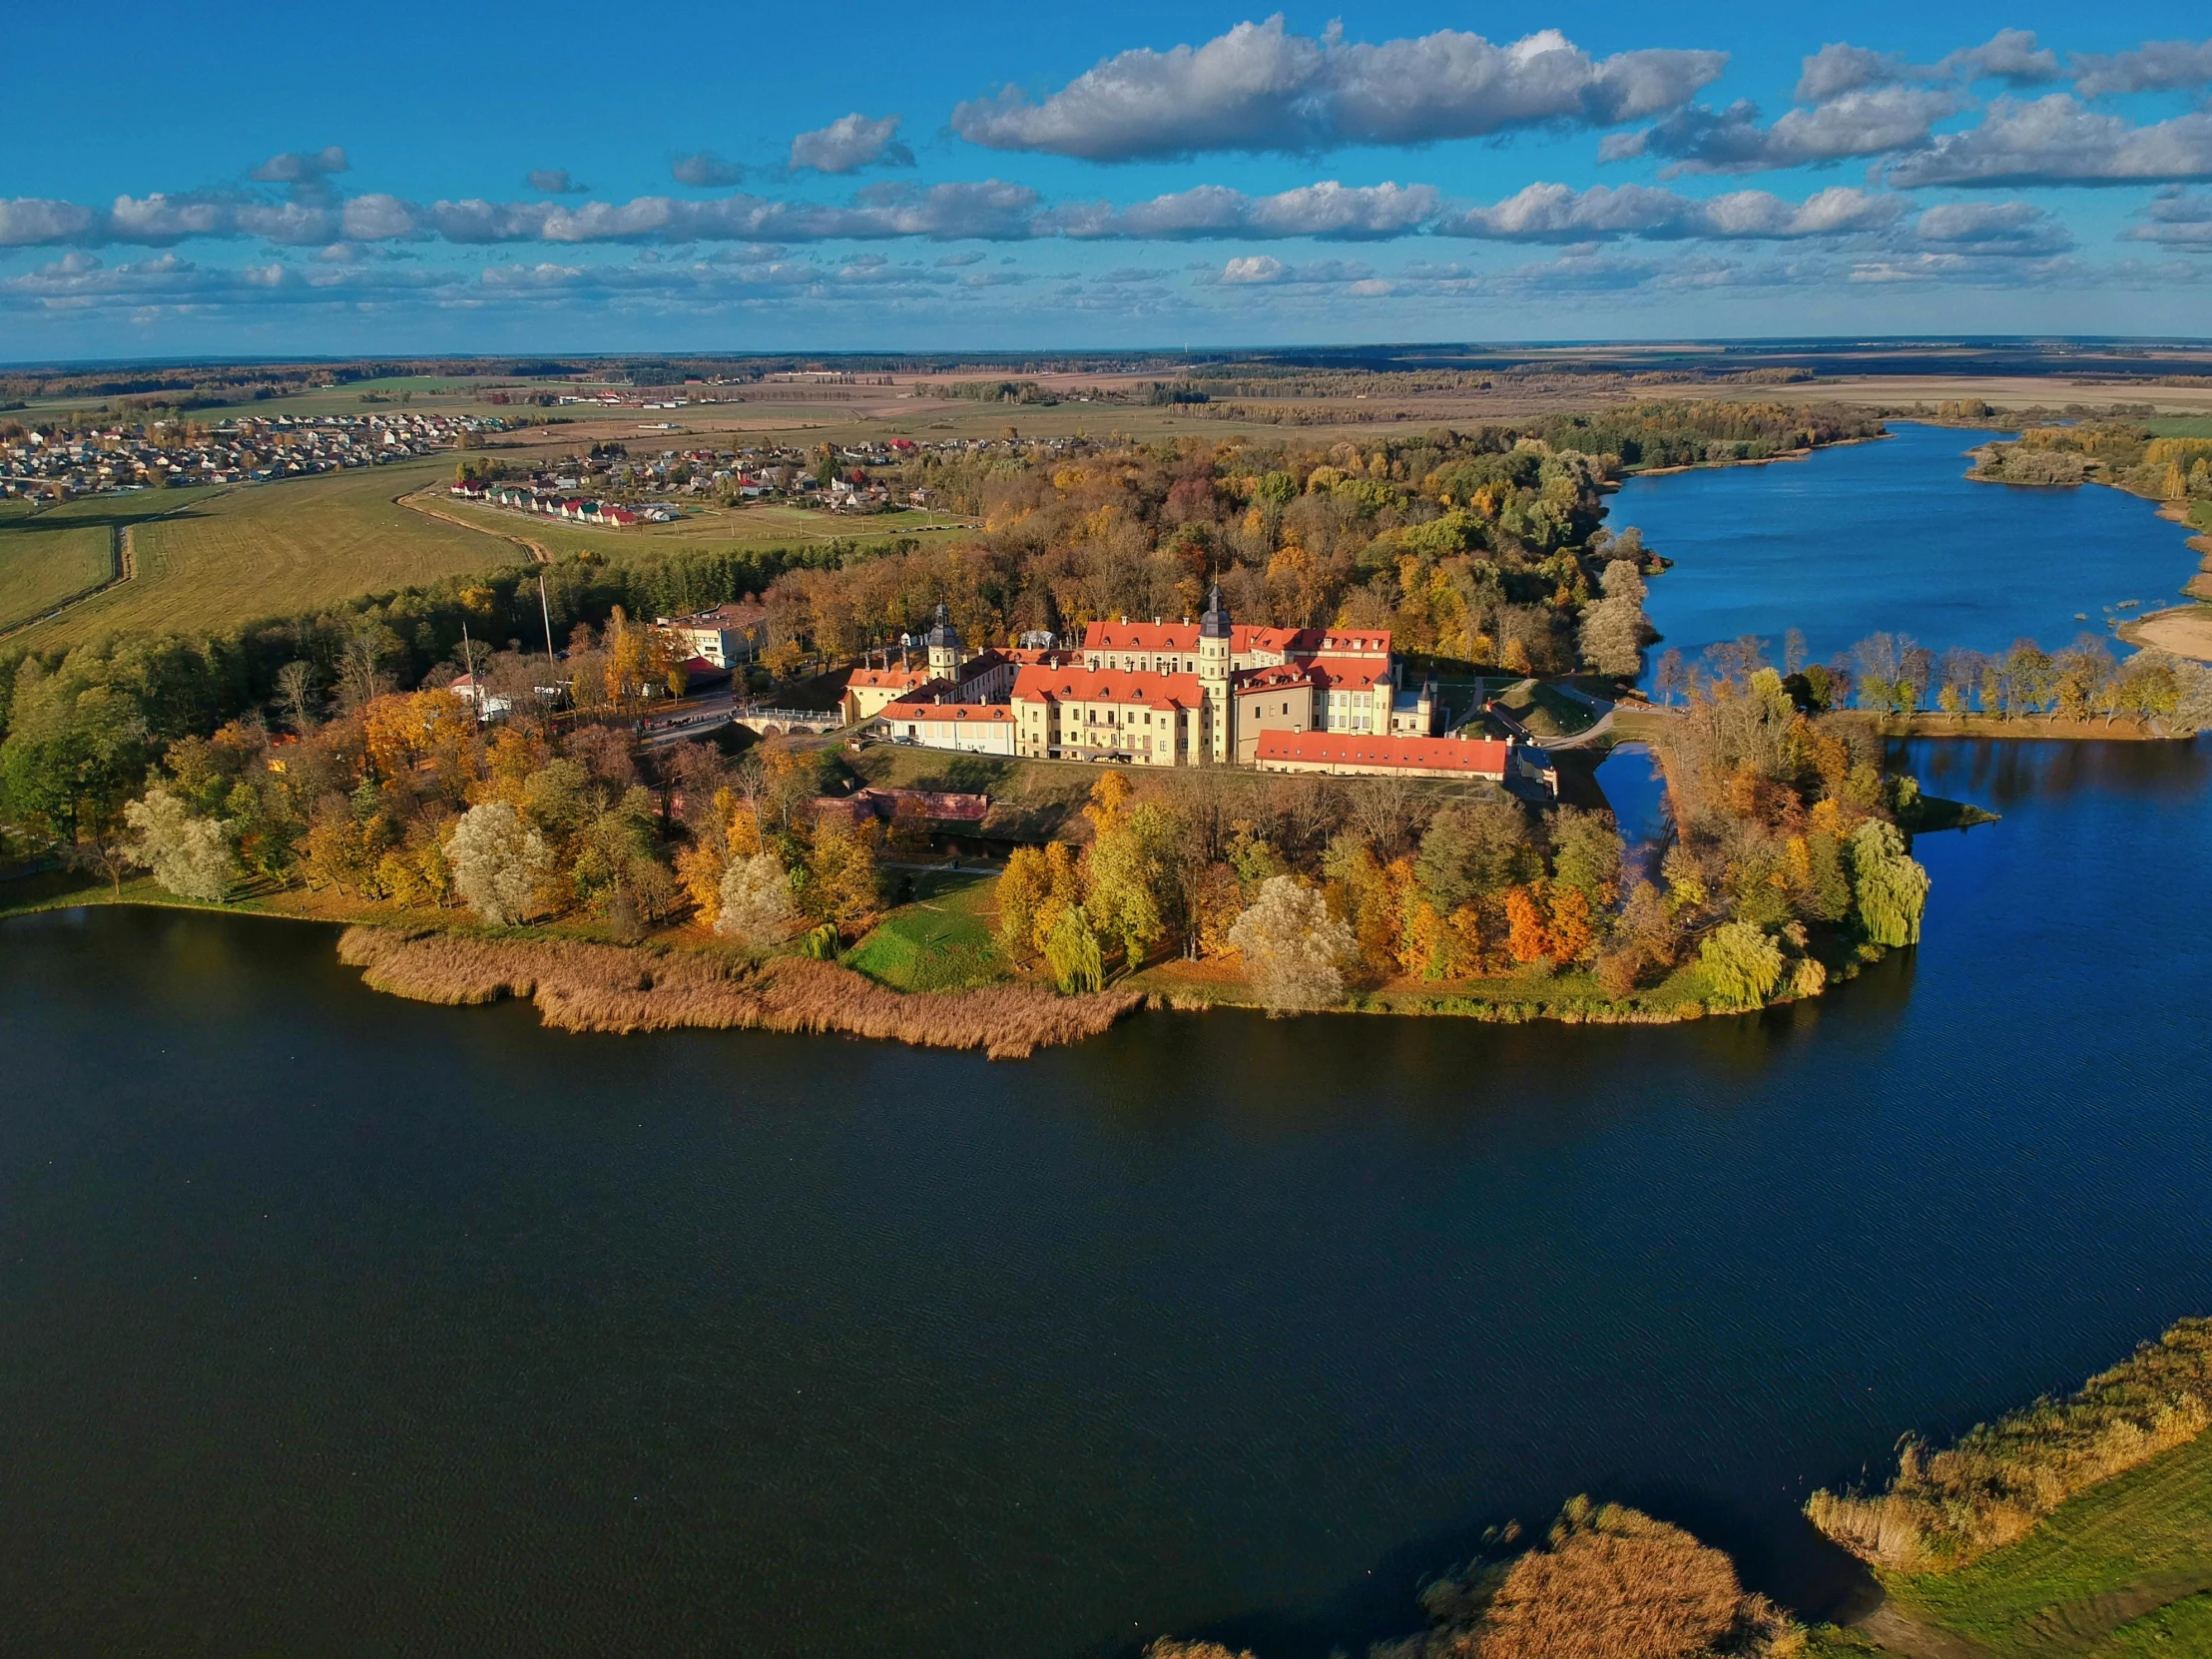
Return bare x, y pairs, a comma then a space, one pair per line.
1173, 694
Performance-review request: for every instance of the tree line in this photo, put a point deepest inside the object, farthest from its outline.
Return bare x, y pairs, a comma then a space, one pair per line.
1892, 674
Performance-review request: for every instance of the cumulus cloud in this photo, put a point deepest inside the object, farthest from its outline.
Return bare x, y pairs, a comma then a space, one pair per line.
2056, 141
2156, 66
1328, 210
33, 222
1998, 230
1868, 121
2176, 217
1839, 67
1260, 88
1264, 271
1556, 213
704, 170
554, 180
302, 167
850, 143
992, 210
2009, 55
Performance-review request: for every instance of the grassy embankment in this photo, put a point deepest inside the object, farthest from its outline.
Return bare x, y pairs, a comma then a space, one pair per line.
940, 941
2081, 1526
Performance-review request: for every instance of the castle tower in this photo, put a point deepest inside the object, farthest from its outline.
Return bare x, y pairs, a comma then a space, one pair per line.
1219, 741
943, 641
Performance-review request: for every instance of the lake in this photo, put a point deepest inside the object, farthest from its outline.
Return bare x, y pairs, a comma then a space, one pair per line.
1888, 537
331, 1322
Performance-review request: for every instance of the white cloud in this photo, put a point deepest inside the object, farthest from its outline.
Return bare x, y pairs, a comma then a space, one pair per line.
1868, 121
2001, 230
2055, 139
1328, 210
1840, 68
554, 180
2176, 217
2010, 55
302, 167
1264, 271
704, 170
32, 221
850, 143
2156, 66
1261, 87
1556, 213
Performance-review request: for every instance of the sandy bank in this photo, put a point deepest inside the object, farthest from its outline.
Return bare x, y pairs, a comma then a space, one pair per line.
2186, 631
603, 987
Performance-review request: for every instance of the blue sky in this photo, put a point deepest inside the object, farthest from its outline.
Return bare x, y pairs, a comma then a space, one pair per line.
568, 179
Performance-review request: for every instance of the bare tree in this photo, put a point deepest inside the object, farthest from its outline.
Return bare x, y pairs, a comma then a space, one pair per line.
298, 696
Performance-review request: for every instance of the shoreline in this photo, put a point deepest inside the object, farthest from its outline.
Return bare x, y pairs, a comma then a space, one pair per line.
588, 986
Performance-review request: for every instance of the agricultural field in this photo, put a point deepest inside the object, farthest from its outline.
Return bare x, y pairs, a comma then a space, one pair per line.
52, 555
703, 529
231, 555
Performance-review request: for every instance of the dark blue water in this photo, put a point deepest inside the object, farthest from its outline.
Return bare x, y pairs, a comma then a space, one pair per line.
331, 1322
1890, 538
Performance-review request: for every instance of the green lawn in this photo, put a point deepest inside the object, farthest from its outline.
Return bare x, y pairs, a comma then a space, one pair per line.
2101, 1570
47, 556
940, 941
2182, 426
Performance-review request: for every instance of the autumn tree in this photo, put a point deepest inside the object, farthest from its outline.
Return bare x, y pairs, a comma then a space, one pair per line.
754, 906
189, 855
1890, 885
1293, 947
499, 863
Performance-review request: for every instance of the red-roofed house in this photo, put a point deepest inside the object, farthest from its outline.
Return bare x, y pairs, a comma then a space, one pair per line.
974, 728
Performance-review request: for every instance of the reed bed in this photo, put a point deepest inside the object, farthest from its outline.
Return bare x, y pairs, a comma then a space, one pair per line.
1948, 1508
603, 987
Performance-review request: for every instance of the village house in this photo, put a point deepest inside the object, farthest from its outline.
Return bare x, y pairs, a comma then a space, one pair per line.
725, 636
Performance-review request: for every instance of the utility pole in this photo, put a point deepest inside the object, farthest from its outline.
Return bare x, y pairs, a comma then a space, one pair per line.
552, 669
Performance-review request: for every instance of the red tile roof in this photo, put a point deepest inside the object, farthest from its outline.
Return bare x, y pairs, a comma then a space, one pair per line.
1476, 757
981, 711
1108, 685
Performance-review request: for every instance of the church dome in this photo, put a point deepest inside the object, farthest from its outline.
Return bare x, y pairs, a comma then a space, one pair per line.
944, 635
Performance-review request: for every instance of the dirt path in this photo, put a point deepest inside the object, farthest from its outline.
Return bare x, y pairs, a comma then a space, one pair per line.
1893, 1631
123, 562
537, 550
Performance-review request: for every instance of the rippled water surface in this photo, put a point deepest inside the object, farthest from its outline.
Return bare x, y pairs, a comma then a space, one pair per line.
331, 1322
1890, 536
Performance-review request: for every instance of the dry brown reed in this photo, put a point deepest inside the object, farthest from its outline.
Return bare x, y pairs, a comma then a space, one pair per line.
602, 987
1950, 1507
1609, 1584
